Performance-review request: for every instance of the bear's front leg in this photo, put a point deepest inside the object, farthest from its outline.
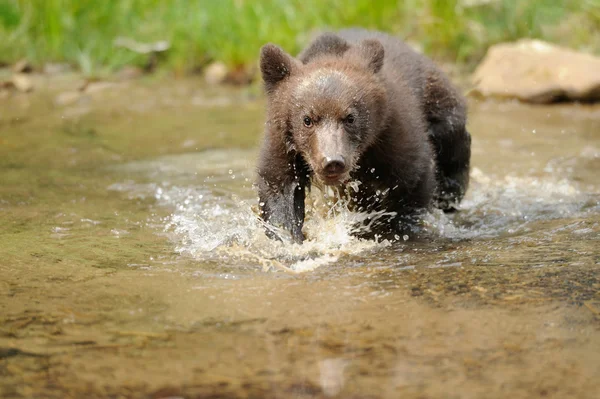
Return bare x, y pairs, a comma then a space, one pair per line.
282, 206
282, 184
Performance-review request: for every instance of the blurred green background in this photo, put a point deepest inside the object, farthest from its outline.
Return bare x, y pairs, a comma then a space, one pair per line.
83, 32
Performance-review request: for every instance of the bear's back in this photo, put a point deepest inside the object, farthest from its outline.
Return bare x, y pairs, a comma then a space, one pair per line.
401, 62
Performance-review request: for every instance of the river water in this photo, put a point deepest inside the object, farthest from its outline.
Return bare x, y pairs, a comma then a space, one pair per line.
133, 263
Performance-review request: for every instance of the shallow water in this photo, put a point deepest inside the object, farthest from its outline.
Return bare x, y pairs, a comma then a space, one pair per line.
133, 264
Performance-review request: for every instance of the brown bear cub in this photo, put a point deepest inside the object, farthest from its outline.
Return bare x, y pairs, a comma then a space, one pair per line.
360, 106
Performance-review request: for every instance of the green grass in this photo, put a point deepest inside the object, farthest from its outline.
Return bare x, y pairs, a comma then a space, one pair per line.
82, 32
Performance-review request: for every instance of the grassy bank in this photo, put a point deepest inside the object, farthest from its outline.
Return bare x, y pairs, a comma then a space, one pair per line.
83, 32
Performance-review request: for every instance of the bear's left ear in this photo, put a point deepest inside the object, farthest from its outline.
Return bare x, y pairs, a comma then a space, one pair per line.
371, 51
326, 44
275, 65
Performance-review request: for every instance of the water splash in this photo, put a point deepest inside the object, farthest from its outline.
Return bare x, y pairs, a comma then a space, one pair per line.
214, 214
498, 206
227, 228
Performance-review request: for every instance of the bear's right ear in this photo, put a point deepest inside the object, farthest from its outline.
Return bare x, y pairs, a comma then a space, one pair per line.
275, 65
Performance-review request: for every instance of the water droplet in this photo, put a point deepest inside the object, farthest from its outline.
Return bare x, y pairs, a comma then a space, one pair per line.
230, 171
405, 237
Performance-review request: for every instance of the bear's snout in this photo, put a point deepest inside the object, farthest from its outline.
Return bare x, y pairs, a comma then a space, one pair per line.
331, 153
333, 167
333, 170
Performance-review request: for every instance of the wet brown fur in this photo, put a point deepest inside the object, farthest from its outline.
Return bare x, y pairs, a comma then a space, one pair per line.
408, 116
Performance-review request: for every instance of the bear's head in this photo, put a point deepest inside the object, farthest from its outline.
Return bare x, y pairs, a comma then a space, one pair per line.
330, 106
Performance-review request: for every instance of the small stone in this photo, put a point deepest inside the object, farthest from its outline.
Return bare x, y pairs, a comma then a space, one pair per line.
215, 73
56, 68
96, 87
22, 66
241, 75
67, 98
6, 84
130, 73
22, 82
142, 48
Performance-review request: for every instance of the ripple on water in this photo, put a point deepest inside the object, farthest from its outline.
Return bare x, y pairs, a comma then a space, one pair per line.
214, 217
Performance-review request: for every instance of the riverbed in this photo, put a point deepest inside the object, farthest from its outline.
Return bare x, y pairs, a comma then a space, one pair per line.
133, 263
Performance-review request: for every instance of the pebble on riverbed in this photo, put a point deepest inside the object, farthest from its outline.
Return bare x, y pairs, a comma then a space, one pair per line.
215, 73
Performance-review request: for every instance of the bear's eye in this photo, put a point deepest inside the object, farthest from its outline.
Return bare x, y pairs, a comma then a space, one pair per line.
349, 119
307, 121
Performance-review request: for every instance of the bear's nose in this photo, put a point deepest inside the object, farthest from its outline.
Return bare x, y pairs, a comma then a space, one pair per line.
333, 166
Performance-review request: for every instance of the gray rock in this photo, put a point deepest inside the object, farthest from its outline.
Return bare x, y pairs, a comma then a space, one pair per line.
538, 72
